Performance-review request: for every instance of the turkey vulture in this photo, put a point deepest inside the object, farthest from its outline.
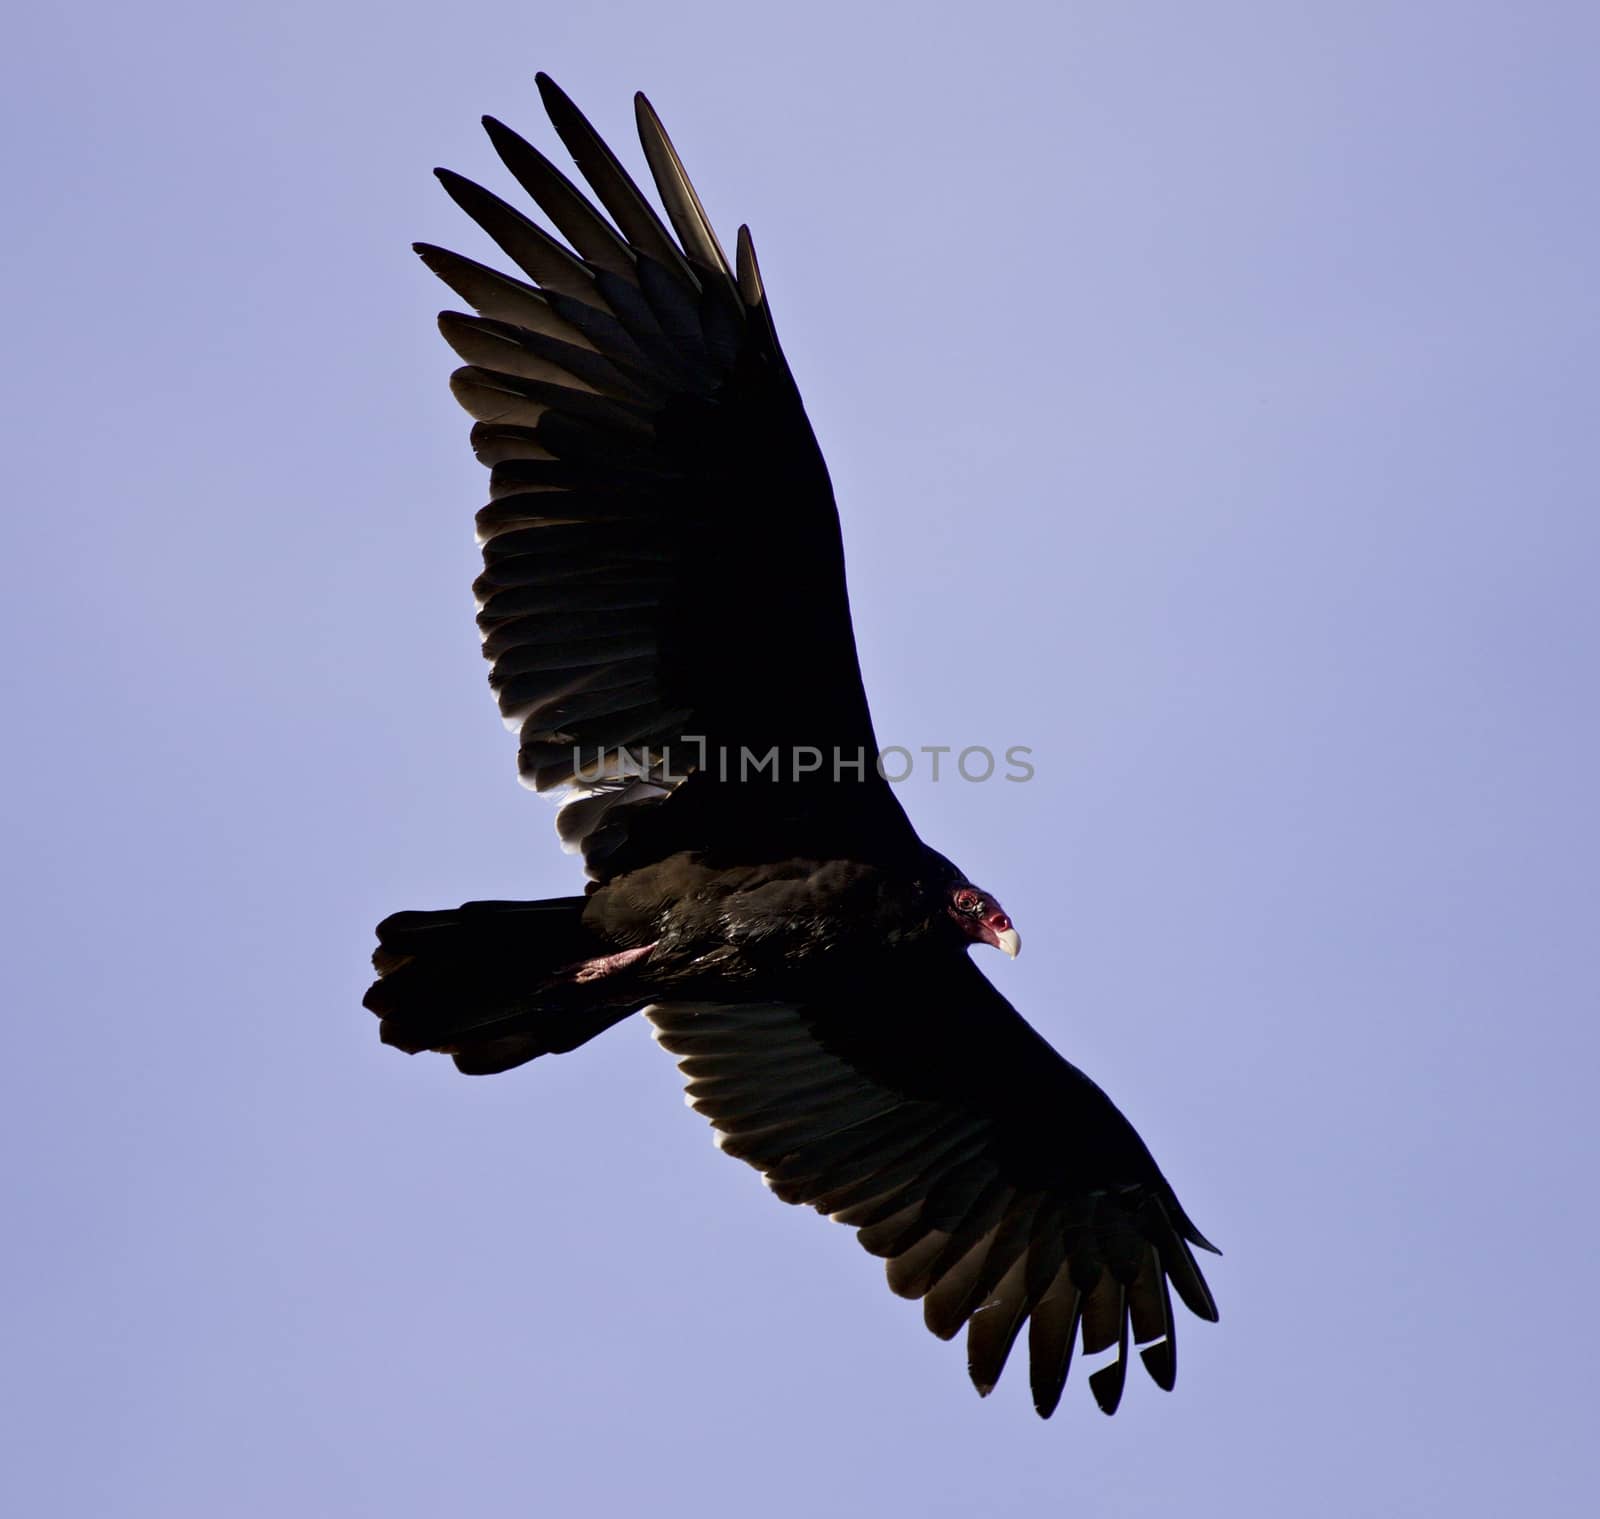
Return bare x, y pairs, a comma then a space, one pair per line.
663, 601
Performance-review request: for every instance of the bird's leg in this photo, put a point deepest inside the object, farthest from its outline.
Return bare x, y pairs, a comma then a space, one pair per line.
604, 965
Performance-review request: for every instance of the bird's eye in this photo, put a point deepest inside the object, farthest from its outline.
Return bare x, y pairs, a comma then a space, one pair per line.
969, 901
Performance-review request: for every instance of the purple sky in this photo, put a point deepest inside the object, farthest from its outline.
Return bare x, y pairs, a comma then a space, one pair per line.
1210, 392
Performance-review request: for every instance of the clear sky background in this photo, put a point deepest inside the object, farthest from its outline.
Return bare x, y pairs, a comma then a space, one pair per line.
1210, 392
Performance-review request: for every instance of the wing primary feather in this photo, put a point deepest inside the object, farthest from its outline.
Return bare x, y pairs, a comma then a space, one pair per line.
1104, 1309
1161, 1361
678, 195
1187, 1229
582, 226
723, 323
612, 336
751, 290
503, 345
493, 294
979, 1224
1149, 1307
610, 182
683, 356
1185, 1274
527, 244
1052, 1333
1179, 1260
1107, 1383
993, 1328
1150, 1315
682, 318
951, 1300
983, 1218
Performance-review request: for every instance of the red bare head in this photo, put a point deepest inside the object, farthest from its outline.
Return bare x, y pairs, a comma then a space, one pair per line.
982, 919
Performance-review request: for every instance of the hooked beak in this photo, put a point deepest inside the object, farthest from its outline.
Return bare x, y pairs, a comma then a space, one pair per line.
996, 929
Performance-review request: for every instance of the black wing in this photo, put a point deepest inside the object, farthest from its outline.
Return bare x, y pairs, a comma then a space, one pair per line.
998, 1181
663, 591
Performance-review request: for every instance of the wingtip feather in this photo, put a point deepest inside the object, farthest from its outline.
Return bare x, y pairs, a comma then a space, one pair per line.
677, 191
751, 290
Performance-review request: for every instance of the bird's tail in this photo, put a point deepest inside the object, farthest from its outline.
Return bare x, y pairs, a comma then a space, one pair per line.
483, 983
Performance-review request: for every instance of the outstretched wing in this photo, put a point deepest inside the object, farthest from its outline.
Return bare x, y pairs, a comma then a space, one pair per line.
999, 1183
663, 593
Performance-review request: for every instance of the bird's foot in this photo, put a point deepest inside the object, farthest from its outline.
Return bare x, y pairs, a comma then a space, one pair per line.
605, 965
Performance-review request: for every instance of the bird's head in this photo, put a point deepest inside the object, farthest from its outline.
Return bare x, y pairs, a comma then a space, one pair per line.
981, 918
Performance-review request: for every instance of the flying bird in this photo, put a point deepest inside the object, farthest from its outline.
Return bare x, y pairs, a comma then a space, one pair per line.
663, 602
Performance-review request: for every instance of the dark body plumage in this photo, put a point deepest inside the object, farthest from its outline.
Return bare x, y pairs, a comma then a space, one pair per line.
664, 603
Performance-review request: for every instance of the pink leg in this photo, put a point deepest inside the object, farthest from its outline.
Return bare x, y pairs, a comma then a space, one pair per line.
606, 965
